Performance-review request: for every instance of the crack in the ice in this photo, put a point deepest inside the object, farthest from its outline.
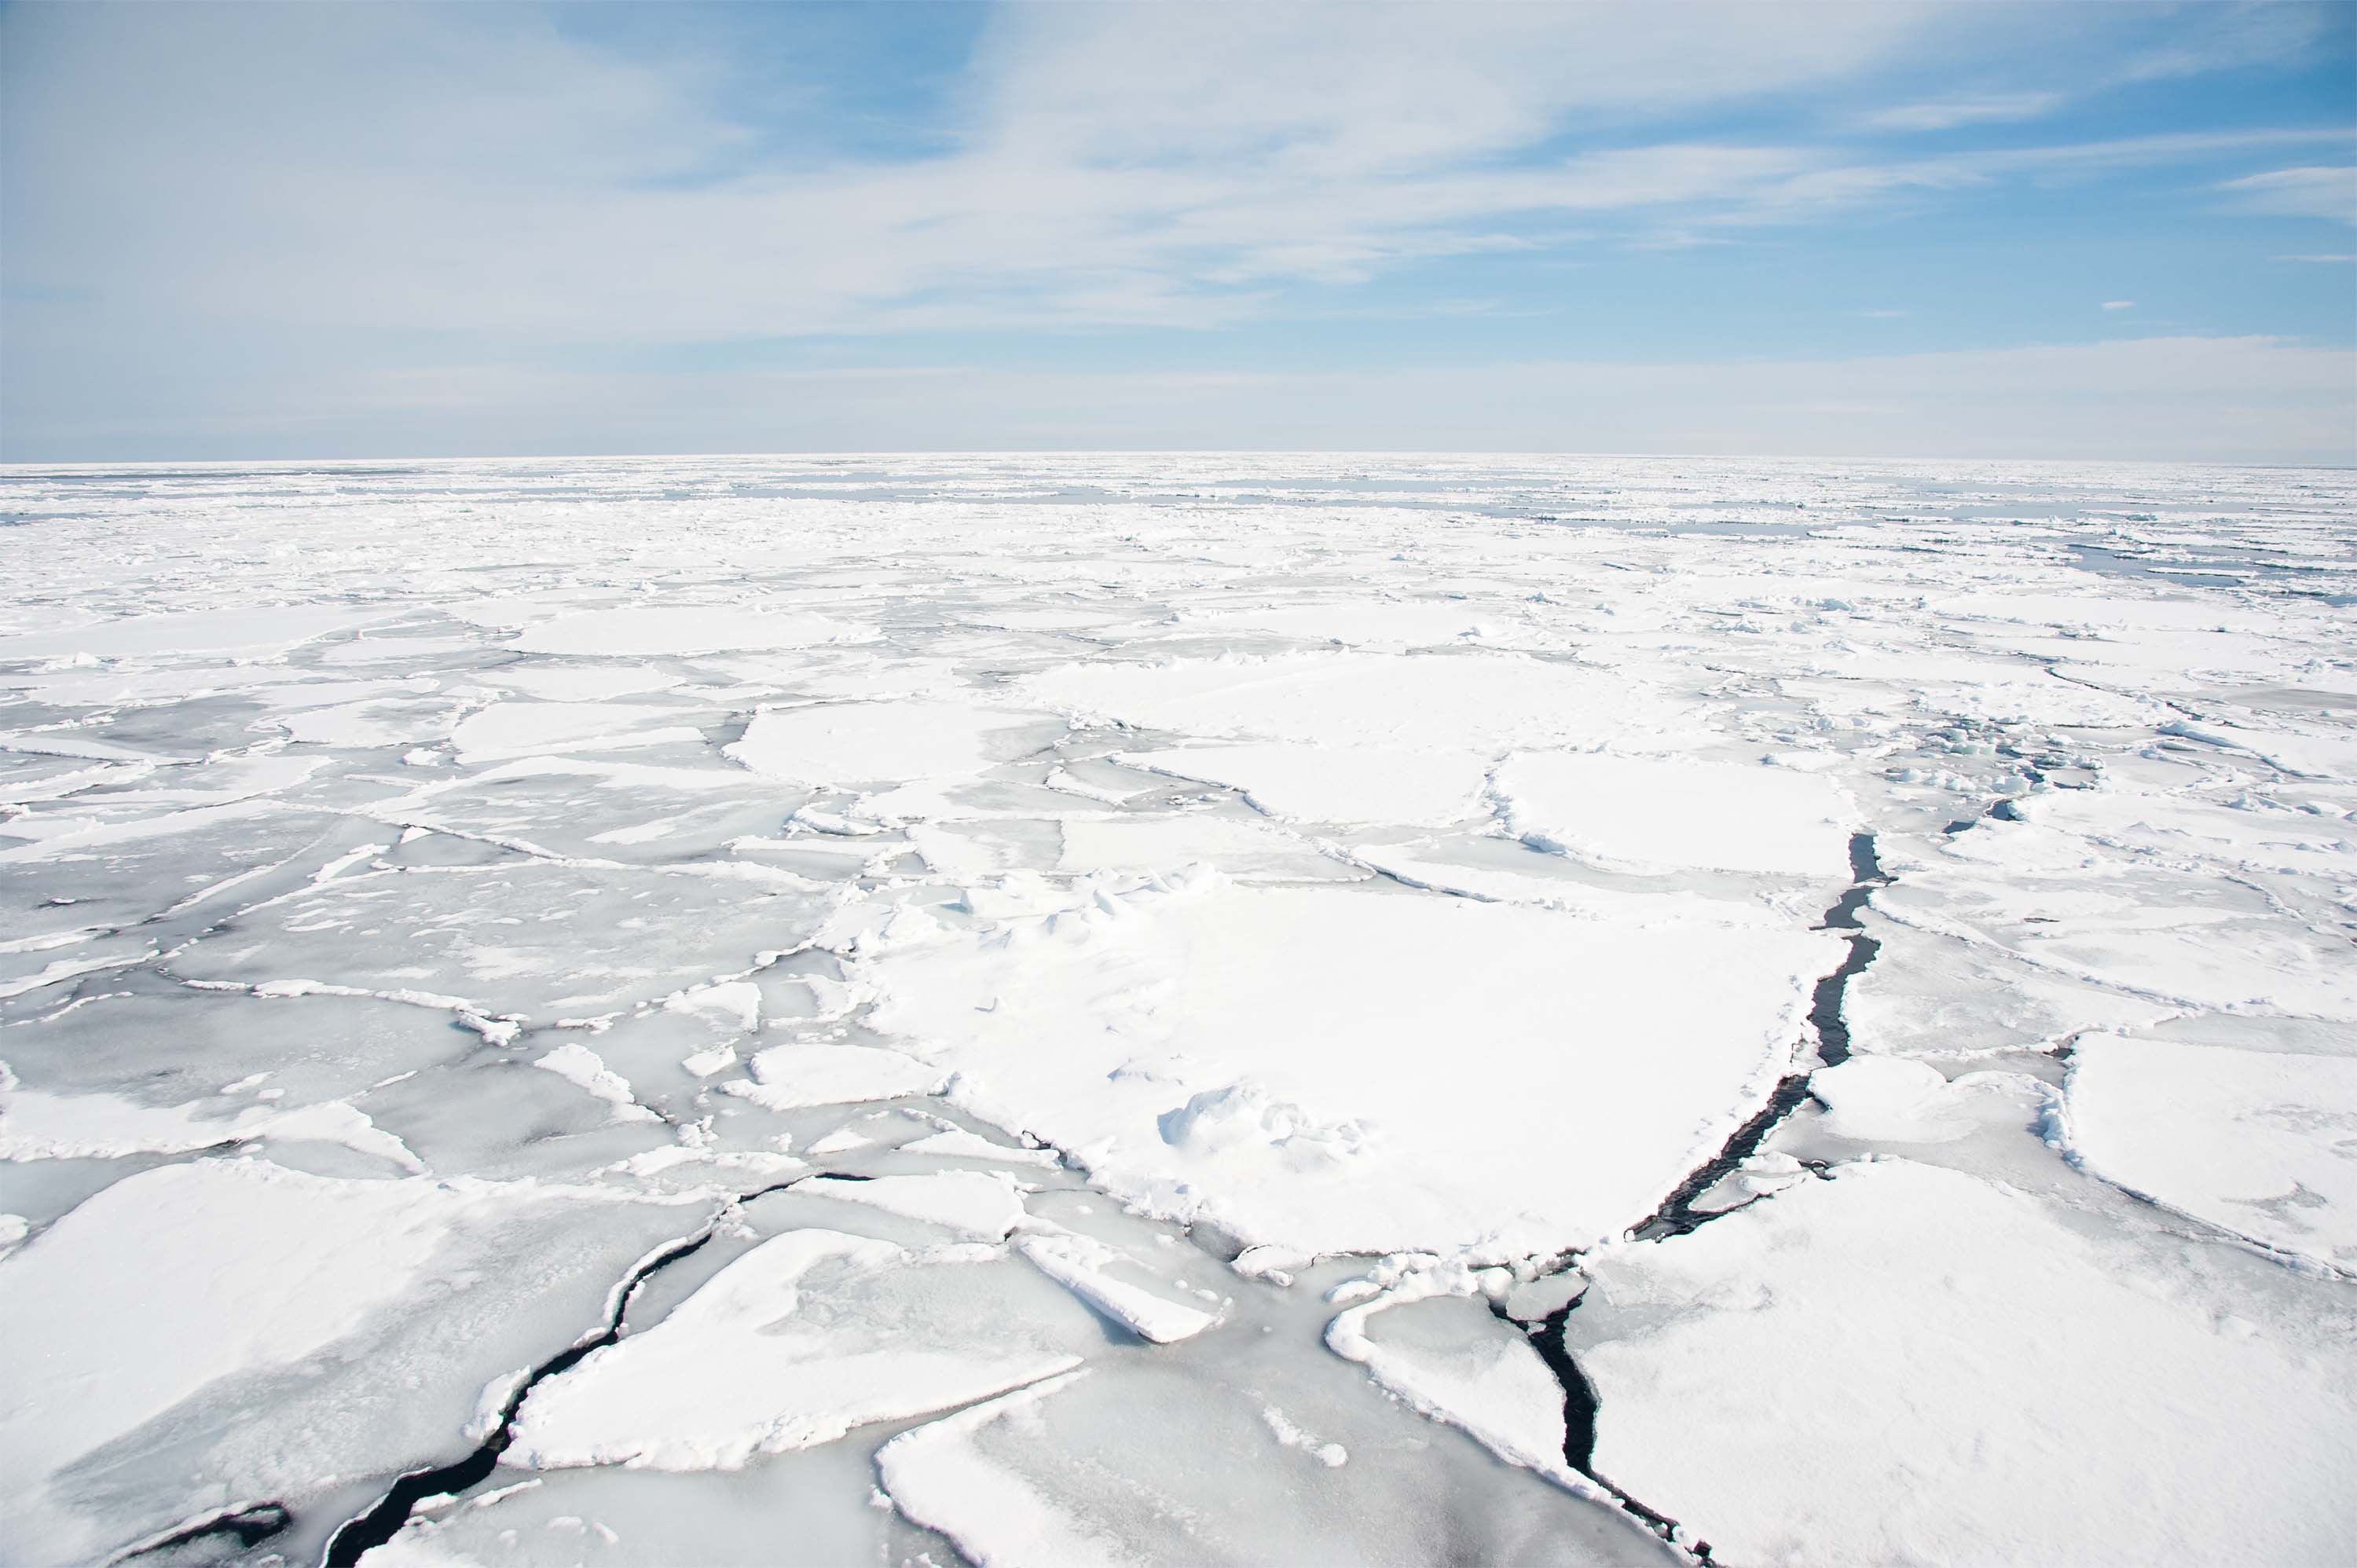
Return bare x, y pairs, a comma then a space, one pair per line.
252, 1523
1677, 1215
380, 1523
1579, 1407
358, 1534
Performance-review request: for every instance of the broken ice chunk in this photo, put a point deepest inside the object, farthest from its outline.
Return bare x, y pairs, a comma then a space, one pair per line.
1980, 1386
1655, 813
957, 1144
790, 1078
577, 1063
1084, 1266
2261, 1143
982, 1205
803, 1338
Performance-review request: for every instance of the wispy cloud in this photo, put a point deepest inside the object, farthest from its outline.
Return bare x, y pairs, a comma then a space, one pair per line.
1947, 114
1109, 165
2313, 191
2119, 304
196, 188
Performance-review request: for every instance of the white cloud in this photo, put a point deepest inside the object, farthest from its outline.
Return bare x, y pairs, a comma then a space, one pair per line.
2119, 304
479, 171
202, 198
2314, 190
1947, 114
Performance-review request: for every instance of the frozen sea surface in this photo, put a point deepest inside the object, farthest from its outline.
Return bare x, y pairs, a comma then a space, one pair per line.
1213, 1009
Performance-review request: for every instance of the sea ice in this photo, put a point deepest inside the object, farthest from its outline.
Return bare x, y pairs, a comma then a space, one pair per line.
1656, 813
788, 1078
1277, 1059
871, 934
527, 729
1905, 1364
1336, 784
858, 743
324, 1298
637, 632
2260, 1143
807, 1336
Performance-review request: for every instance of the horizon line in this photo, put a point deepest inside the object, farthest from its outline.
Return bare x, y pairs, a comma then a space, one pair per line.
39, 466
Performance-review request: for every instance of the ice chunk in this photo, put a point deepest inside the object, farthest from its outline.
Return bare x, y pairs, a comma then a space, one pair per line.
35, 1125
803, 1338
1161, 844
637, 632
1473, 702
938, 1477
269, 1267
2261, 1143
1281, 1427
1655, 813
1281, 1060
1084, 1266
856, 743
1892, 1099
1454, 1361
1336, 784
585, 683
1168, 1459
1906, 1364
788, 1078
577, 1064
249, 630
981, 1205
526, 729
956, 1144
736, 1002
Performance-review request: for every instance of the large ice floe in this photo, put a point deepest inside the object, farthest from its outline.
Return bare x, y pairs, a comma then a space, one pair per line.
1177, 1010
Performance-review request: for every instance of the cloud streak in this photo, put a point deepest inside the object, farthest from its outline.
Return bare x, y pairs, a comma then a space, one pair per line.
196, 190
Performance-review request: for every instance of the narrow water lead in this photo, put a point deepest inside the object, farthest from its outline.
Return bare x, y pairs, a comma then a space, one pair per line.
356, 1536
1678, 1215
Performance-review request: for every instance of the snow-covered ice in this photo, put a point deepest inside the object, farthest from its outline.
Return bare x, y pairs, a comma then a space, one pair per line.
1159, 1009
1284, 1063
803, 1338
1903, 1364
2262, 1142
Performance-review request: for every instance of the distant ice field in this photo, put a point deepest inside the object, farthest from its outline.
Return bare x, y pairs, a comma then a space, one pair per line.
1042, 1009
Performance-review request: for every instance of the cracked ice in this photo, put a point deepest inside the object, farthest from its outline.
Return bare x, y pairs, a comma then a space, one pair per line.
1177, 1010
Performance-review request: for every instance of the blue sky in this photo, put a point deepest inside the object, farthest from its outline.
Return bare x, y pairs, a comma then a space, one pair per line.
2082, 231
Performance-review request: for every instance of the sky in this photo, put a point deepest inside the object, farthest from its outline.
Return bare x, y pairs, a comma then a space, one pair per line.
2087, 231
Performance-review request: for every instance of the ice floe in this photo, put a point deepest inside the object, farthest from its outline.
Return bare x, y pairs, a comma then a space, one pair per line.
1907, 1364
2262, 1142
807, 1336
